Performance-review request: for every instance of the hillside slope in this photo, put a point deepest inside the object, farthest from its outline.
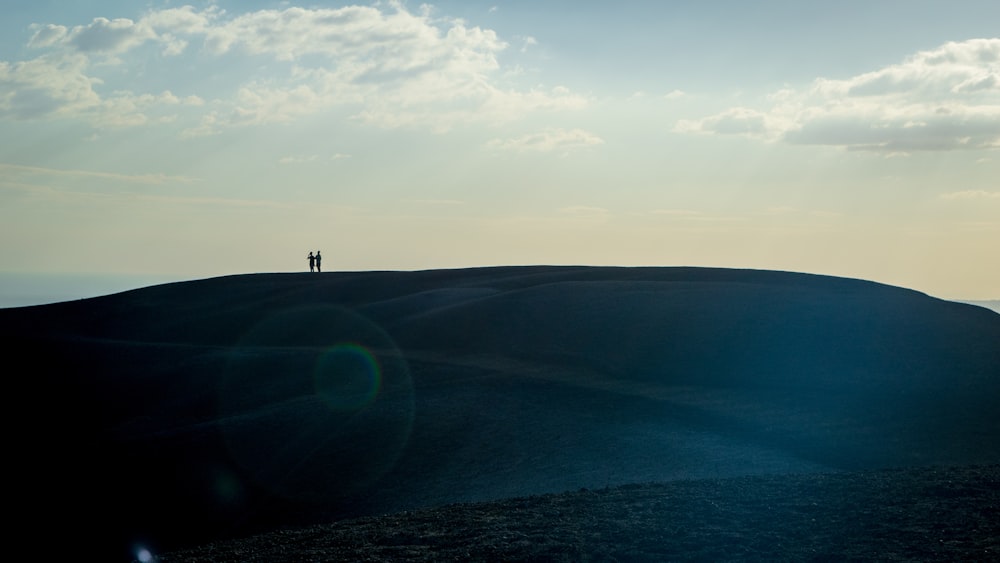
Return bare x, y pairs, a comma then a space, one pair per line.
219, 407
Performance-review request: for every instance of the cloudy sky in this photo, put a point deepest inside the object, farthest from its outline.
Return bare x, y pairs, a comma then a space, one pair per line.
854, 138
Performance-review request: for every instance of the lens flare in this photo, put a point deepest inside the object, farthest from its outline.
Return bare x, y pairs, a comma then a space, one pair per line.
316, 403
347, 377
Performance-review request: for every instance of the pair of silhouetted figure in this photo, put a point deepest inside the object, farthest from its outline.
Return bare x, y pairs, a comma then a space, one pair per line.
314, 262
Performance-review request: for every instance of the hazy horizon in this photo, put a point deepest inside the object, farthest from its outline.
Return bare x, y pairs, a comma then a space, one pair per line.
28, 289
855, 139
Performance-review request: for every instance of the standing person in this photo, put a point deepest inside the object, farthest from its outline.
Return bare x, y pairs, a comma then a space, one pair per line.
318, 260
312, 262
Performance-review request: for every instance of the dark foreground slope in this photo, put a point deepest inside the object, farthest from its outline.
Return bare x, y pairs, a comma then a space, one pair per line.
920, 514
183, 413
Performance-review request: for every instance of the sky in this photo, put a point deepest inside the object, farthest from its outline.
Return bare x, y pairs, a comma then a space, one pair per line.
178, 141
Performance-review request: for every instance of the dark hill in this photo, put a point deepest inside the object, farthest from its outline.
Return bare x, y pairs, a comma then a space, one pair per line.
199, 410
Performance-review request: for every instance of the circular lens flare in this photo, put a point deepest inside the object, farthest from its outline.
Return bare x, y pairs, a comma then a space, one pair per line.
315, 404
347, 377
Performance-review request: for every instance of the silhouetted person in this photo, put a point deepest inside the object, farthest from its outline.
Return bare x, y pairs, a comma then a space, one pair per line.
318, 260
312, 262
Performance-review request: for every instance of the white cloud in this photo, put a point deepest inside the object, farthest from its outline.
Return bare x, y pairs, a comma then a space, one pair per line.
943, 99
207, 127
47, 35
183, 21
395, 67
110, 36
58, 86
548, 141
46, 86
741, 121
352, 32
261, 104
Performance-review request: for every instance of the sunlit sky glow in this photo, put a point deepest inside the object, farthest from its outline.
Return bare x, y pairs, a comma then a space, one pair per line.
857, 138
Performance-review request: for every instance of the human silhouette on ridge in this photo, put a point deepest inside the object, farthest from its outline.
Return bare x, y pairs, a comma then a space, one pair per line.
312, 262
318, 260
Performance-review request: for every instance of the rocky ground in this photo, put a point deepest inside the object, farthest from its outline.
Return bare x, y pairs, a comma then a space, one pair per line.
925, 514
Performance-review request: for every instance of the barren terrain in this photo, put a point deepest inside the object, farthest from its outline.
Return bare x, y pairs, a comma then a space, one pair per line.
533, 412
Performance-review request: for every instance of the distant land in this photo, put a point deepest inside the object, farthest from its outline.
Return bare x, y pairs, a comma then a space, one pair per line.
182, 414
25, 289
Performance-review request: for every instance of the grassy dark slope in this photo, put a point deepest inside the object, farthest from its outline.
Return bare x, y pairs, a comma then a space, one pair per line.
212, 408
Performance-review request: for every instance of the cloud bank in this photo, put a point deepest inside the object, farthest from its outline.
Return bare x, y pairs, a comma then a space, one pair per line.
946, 98
390, 66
